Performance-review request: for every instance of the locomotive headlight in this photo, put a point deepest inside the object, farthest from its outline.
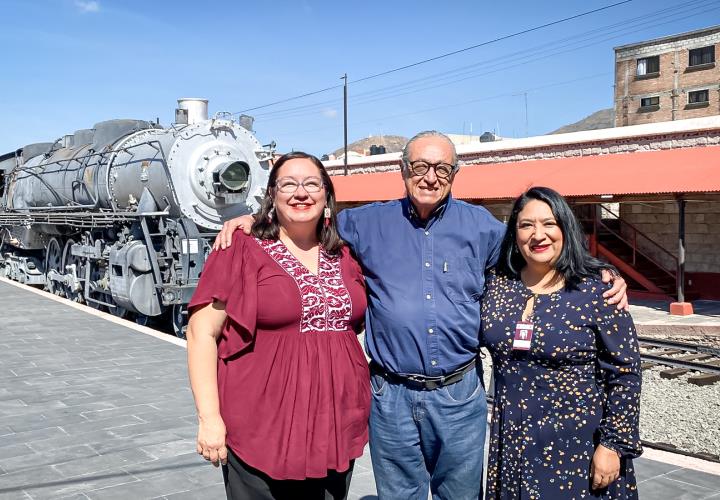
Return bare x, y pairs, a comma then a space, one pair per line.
234, 176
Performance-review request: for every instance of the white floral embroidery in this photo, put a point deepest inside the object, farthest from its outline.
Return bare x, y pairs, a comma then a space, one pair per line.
326, 303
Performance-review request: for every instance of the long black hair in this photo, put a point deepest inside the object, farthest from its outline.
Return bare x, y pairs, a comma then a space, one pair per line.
574, 262
267, 228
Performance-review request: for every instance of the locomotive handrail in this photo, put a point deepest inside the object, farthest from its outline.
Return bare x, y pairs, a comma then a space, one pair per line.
157, 146
60, 198
154, 143
54, 192
94, 153
78, 219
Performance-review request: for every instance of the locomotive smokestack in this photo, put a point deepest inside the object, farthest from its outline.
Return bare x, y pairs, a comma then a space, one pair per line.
191, 110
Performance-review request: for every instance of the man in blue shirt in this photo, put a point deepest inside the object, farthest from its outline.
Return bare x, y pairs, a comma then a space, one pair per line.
424, 258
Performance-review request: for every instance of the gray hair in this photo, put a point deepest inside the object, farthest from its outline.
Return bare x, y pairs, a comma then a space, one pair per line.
426, 133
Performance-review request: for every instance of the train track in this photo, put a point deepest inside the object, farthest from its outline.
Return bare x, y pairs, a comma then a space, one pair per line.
702, 362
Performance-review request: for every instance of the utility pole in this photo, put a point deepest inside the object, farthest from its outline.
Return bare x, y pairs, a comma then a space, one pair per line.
527, 133
345, 120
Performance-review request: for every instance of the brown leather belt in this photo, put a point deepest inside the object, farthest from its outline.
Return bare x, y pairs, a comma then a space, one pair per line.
423, 382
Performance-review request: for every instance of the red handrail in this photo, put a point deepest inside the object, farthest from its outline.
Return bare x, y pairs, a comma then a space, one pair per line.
636, 250
633, 244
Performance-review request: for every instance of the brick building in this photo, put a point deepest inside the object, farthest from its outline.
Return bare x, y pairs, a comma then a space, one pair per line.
669, 78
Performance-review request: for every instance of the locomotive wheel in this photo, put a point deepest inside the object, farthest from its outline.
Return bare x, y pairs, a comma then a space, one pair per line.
118, 311
179, 320
53, 261
142, 319
69, 259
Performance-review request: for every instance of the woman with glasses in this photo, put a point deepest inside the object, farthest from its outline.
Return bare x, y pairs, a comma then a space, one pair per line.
566, 364
280, 381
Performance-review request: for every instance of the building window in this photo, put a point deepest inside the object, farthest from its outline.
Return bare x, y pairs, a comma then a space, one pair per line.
648, 66
646, 102
702, 56
699, 97
649, 104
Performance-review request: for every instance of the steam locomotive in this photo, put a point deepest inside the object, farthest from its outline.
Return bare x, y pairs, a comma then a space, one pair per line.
122, 216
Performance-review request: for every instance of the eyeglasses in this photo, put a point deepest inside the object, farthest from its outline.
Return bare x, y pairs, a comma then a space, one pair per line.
288, 185
442, 170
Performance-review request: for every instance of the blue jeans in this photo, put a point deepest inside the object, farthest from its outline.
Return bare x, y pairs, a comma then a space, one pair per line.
435, 439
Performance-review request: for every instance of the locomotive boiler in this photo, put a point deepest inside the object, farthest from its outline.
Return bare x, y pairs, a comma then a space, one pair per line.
121, 216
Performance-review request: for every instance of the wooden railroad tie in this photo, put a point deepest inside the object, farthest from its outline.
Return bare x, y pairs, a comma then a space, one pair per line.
697, 375
703, 379
706, 378
673, 373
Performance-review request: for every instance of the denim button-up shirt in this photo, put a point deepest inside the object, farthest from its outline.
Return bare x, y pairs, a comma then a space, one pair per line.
424, 280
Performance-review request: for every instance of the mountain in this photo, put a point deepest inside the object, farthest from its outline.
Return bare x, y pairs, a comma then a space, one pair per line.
392, 143
605, 118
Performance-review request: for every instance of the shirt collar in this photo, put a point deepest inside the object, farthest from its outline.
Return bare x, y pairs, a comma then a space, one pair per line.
437, 213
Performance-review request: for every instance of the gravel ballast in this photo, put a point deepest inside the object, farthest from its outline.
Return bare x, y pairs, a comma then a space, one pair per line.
673, 411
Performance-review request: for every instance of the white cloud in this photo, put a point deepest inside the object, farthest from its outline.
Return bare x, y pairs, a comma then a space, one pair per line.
86, 6
329, 113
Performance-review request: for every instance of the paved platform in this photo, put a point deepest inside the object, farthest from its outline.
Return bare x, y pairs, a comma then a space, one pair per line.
91, 408
652, 316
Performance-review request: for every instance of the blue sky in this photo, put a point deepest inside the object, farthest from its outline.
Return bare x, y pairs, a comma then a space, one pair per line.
67, 64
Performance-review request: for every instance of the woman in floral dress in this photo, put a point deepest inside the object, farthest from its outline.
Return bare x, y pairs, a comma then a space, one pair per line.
566, 364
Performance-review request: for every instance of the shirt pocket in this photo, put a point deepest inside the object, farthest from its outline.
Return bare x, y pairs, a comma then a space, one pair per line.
463, 279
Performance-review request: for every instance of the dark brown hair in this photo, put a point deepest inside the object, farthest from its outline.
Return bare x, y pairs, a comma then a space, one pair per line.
269, 229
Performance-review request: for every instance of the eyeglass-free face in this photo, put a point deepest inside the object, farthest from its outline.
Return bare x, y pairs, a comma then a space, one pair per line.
299, 196
538, 235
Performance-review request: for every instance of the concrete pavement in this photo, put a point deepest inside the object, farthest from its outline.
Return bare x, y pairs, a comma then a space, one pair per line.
94, 407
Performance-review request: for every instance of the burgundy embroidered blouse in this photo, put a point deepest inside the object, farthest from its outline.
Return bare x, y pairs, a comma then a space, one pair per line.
292, 377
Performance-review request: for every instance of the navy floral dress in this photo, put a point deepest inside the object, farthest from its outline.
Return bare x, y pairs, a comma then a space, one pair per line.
577, 386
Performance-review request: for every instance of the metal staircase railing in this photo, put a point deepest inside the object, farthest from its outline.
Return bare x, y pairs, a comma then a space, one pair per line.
638, 243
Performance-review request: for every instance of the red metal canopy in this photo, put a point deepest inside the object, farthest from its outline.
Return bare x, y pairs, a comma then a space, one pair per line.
683, 170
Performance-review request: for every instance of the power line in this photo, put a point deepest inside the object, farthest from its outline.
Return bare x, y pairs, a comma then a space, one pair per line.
499, 39
463, 103
504, 62
455, 52
289, 99
695, 5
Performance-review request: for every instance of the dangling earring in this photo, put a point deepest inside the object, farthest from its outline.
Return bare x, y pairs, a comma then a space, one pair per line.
327, 213
271, 213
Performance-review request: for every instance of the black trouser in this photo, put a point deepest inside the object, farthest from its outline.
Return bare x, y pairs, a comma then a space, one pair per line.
243, 482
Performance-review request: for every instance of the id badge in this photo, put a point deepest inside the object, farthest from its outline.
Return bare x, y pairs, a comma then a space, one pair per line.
523, 336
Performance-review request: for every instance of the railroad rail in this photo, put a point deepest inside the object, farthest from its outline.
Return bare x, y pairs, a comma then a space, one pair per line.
683, 358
